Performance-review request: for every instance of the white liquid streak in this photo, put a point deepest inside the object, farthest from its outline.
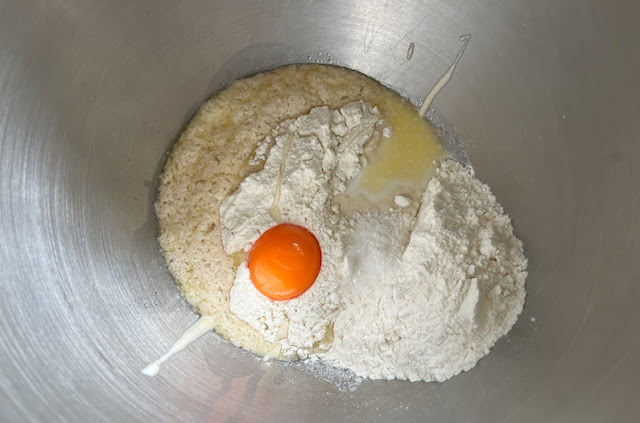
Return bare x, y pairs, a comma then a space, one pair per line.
274, 211
444, 78
203, 325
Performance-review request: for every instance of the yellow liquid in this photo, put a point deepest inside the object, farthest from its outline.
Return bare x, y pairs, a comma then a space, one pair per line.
405, 159
238, 258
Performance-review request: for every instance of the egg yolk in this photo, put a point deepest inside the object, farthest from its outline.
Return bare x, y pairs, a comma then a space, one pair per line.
285, 261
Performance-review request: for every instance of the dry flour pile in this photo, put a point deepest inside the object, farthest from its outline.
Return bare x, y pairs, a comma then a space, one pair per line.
417, 298
325, 152
435, 308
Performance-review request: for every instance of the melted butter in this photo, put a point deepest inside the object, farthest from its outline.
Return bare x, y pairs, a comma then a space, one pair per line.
404, 160
238, 258
403, 163
326, 342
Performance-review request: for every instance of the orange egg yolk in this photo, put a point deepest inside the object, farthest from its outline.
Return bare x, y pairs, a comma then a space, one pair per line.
285, 261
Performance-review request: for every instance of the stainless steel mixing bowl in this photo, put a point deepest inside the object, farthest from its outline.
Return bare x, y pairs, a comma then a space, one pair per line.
92, 94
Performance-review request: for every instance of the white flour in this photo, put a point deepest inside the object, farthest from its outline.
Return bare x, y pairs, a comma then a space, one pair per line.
409, 298
435, 309
324, 154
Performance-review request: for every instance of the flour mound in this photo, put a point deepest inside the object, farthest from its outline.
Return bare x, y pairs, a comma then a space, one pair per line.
325, 153
437, 307
398, 296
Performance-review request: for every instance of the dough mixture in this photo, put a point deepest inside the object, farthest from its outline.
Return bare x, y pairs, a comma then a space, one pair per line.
421, 272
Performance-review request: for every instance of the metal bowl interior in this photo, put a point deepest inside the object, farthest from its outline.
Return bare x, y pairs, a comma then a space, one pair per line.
93, 94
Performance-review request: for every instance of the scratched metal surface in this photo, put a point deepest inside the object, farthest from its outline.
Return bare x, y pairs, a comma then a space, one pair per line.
92, 94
